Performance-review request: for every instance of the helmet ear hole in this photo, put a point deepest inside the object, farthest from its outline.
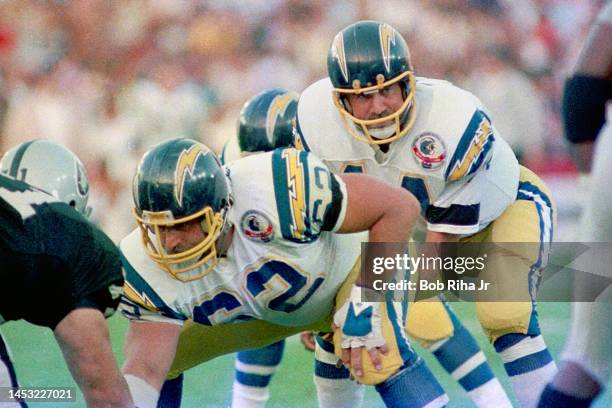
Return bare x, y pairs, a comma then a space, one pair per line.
72, 203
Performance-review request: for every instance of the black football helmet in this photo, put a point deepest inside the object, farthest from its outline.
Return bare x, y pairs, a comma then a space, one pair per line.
366, 57
178, 181
266, 121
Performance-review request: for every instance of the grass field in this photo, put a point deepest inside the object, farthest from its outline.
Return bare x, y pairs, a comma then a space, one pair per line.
39, 363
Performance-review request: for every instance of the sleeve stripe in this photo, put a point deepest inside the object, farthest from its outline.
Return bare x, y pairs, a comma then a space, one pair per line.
334, 216
141, 287
473, 147
300, 136
289, 173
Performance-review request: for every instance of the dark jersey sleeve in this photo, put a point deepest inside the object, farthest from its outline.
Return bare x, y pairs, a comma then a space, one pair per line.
56, 262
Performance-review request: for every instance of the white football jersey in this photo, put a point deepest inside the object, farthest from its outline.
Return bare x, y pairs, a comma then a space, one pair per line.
284, 265
452, 159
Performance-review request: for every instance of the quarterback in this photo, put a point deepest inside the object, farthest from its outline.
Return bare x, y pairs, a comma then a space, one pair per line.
254, 252
373, 116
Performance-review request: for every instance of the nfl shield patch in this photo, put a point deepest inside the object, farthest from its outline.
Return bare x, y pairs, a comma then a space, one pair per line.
428, 150
256, 226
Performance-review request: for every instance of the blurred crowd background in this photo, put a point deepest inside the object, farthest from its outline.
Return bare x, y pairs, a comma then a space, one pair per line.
110, 78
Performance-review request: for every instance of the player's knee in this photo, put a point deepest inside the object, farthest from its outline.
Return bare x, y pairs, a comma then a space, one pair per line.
500, 318
428, 322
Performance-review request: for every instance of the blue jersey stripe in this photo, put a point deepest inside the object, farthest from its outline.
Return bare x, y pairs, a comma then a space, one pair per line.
467, 150
141, 286
298, 134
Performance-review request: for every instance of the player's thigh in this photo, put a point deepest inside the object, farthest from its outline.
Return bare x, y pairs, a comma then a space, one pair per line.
516, 247
199, 343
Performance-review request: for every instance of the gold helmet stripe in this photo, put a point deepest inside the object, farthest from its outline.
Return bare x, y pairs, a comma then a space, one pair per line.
387, 36
277, 108
338, 52
186, 164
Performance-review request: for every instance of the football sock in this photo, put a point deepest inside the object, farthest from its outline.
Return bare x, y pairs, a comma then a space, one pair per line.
463, 359
528, 364
413, 386
254, 370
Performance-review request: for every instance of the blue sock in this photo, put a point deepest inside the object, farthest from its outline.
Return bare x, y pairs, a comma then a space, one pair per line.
462, 357
553, 398
528, 363
255, 367
413, 386
171, 393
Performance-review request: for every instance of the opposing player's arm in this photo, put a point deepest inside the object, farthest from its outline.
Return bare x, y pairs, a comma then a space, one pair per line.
586, 93
149, 351
84, 340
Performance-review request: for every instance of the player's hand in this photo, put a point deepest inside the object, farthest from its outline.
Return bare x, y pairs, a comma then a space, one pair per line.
308, 341
360, 327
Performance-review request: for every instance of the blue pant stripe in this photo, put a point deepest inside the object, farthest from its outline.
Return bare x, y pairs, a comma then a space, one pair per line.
269, 356
330, 371
253, 380
477, 377
406, 352
528, 363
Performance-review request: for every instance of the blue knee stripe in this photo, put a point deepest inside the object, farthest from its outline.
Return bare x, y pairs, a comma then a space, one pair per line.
253, 380
330, 371
266, 356
528, 363
507, 340
477, 377
414, 386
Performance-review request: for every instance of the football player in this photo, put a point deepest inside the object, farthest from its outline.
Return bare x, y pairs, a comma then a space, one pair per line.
586, 358
372, 115
265, 123
58, 270
255, 252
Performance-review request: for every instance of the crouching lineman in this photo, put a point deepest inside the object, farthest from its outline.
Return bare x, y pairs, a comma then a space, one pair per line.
371, 115
265, 124
245, 252
58, 270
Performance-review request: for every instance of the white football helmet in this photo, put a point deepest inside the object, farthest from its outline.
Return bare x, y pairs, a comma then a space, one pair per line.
50, 167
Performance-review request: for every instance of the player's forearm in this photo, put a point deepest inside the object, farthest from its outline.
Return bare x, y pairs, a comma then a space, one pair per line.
84, 340
149, 351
